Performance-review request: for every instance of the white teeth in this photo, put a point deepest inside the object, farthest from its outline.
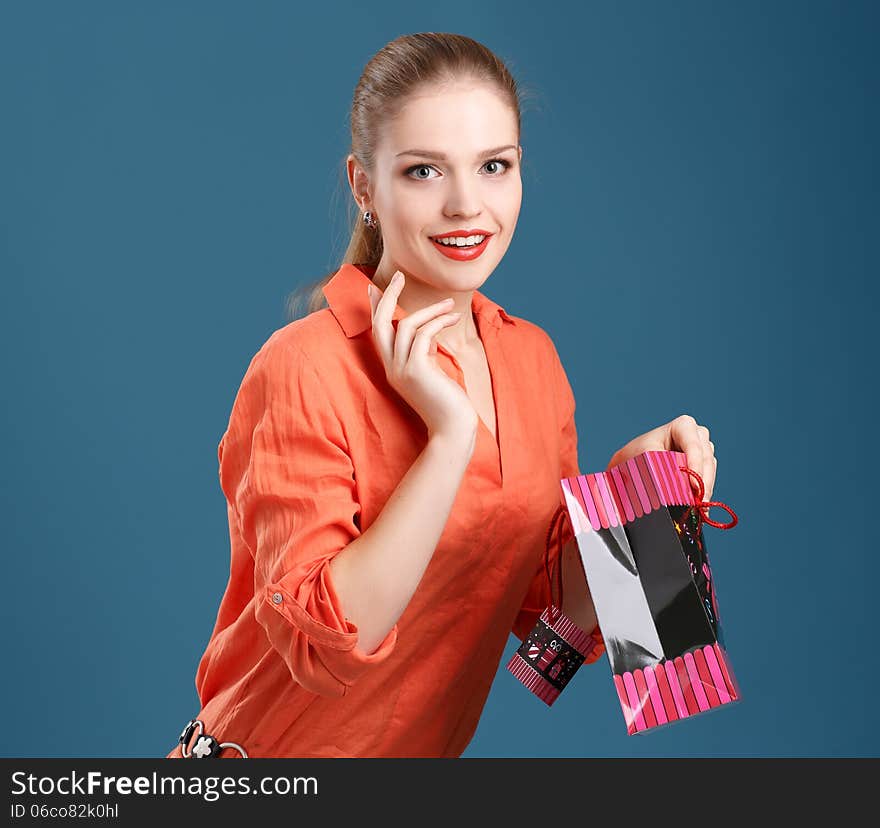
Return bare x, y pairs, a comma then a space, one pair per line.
461, 241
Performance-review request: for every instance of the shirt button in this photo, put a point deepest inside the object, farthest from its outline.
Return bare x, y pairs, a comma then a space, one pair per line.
276, 598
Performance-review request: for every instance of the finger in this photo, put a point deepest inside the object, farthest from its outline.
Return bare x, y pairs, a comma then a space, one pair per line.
708, 472
423, 343
383, 331
409, 326
387, 303
709, 480
711, 470
407, 340
687, 439
714, 472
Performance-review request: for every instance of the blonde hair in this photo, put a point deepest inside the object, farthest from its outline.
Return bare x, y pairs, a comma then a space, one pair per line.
397, 70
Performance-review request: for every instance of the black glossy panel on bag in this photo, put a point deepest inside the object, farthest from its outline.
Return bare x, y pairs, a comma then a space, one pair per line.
670, 589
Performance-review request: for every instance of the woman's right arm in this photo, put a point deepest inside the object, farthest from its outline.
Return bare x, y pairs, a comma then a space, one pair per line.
377, 573
292, 491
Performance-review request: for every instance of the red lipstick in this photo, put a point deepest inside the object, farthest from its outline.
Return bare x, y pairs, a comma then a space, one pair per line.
462, 254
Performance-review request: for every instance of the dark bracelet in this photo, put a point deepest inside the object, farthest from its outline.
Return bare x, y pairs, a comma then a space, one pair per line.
206, 746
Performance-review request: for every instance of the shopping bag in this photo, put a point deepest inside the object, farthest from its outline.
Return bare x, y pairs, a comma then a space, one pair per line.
638, 527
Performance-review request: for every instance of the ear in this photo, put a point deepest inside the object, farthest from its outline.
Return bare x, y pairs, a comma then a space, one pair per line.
358, 181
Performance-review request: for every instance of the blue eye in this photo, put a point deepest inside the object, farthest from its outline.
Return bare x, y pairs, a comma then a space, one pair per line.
499, 161
419, 167
412, 169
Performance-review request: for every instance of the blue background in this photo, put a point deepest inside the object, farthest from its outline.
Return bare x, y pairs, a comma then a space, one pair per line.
698, 234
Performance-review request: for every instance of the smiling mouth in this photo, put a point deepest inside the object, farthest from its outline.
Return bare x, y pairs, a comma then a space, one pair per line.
461, 242
460, 250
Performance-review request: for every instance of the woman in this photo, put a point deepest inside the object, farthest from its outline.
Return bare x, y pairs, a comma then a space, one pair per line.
392, 461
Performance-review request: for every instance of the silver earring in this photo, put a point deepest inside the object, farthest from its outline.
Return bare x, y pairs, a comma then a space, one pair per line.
370, 220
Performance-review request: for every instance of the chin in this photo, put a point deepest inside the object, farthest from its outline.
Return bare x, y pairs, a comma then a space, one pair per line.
461, 281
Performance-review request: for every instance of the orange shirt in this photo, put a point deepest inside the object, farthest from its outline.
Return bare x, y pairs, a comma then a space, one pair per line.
317, 441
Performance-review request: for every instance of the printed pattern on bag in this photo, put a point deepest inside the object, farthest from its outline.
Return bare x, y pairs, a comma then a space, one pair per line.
550, 655
691, 537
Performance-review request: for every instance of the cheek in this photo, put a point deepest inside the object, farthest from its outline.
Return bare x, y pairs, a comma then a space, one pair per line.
507, 202
409, 213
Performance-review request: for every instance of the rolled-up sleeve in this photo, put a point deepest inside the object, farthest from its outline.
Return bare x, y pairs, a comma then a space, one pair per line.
287, 473
538, 597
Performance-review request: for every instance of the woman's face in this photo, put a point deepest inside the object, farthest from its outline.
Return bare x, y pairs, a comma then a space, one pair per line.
449, 162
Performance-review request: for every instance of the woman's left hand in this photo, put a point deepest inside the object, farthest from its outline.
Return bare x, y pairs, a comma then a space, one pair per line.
684, 434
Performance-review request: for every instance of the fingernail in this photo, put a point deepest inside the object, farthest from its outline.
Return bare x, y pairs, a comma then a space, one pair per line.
370, 290
398, 277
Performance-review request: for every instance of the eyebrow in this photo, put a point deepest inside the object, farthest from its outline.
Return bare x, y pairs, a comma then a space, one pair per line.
439, 156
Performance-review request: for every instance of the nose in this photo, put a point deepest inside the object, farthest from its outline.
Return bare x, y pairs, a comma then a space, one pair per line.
462, 199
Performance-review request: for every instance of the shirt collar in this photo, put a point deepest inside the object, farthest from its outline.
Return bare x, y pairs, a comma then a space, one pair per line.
346, 294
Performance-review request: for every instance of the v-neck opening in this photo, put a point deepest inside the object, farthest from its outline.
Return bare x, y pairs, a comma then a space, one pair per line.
493, 391
496, 436
483, 423
492, 437
494, 385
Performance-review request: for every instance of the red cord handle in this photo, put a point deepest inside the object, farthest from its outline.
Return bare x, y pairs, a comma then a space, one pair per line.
702, 505
555, 524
